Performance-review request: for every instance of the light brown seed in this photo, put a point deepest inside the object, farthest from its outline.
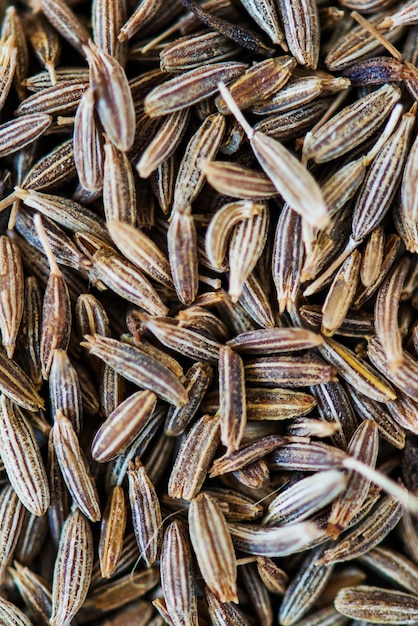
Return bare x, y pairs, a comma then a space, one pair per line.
123, 426
74, 468
377, 605
88, 144
146, 512
72, 571
282, 167
138, 367
112, 531
114, 101
190, 88
213, 547
302, 30
177, 571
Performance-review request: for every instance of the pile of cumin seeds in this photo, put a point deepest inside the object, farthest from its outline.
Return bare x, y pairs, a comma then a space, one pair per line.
208, 313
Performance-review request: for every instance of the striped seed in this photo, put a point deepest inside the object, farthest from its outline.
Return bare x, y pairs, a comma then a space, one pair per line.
377, 605
59, 99
64, 390
235, 180
88, 144
190, 87
274, 542
197, 381
22, 131
113, 96
232, 405
73, 568
182, 254
22, 458
351, 126
137, 367
265, 14
177, 571
12, 514
66, 22
75, 468
213, 547
123, 426
272, 340
11, 293
146, 512
282, 167
301, 29
288, 371
340, 294
194, 458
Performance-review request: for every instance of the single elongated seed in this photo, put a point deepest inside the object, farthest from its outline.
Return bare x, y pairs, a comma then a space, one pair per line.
194, 458
73, 568
146, 512
88, 144
22, 459
269, 340
357, 372
302, 30
112, 531
259, 82
377, 605
274, 542
138, 367
74, 468
182, 254
281, 167
238, 181
213, 547
177, 570
189, 88
22, 131
141, 250
123, 425
386, 318
232, 405
114, 101
304, 498
265, 14
355, 123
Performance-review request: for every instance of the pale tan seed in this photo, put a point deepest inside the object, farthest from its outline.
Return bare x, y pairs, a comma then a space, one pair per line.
136, 366
119, 193
74, 468
194, 458
112, 531
302, 30
65, 390
177, 571
11, 614
235, 180
114, 101
141, 250
59, 99
164, 142
223, 612
340, 294
45, 43
247, 242
22, 131
120, 275
265, 14
246, 455
190, 88
356, 372
213, 547
377, 605
188, 342
73, 568
22, 459
351, 126
303, 194
386, 314
88, 144
143, 14
107, 19
11, 293
202, 146
12, 514
123, 426
66, 22
304, 498
232, 405
287, 258
372, 257
274, 542
182, 254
